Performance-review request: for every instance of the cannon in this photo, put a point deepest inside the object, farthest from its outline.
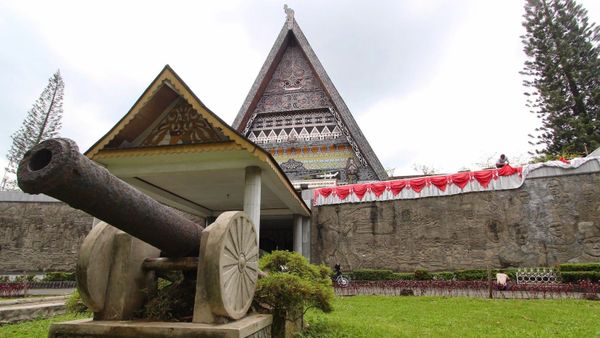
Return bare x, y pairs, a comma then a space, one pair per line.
139, 236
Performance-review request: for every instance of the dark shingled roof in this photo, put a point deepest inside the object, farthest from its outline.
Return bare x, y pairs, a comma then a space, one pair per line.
289, 31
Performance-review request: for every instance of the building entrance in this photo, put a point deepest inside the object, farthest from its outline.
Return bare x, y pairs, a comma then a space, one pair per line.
276, 234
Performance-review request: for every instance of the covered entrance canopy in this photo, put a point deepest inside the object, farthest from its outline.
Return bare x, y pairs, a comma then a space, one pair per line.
170, 146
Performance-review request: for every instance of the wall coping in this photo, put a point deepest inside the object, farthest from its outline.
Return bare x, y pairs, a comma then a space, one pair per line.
19, 196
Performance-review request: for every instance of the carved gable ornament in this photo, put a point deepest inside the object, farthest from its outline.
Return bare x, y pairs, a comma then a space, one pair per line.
292, 165
183, 125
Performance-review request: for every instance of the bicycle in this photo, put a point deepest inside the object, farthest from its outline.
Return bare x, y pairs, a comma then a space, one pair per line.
342, 281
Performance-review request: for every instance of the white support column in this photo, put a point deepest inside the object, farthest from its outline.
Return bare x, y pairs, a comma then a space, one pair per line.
252, 197
298, 234
306, 237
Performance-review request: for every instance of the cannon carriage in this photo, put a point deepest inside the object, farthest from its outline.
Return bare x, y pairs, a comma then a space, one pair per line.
139, 236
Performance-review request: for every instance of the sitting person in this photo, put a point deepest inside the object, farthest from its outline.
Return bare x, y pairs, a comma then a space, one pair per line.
502, 161
337, 270
502, 281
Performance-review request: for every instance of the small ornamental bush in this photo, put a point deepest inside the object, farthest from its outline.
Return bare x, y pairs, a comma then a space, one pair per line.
422, 274
291, 287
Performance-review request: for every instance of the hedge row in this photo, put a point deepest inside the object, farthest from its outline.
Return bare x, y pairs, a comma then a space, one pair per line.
577, 276
570, 273
58, 276
579, 267
466, 275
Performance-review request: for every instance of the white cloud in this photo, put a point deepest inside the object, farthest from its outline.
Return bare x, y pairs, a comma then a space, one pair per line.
468, 106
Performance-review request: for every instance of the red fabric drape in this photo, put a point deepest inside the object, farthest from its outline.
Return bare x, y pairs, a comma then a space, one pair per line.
360, 190
484, 177
461, 179
507, 170
417, 184
378, 188
397, 186
342, 191
440, 182
325, 192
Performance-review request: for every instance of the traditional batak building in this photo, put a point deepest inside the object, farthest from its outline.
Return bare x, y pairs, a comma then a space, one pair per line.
294, 112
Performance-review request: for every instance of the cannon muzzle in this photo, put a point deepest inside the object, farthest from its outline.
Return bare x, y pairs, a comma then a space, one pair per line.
56, 168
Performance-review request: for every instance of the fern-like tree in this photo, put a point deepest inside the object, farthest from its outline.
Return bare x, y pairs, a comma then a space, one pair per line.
43, 121
563, 74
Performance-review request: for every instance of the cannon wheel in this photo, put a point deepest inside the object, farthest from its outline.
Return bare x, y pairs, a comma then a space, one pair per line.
231, 262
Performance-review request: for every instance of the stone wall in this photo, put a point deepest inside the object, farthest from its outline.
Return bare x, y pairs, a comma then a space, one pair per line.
546, 221
40, 235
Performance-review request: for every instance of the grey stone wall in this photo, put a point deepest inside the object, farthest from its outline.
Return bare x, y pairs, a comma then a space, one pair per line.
546, 221
40, 235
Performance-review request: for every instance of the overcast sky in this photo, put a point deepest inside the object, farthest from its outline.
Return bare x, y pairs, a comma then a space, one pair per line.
432, 83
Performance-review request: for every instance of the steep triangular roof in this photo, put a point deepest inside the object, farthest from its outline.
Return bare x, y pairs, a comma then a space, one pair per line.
291, 32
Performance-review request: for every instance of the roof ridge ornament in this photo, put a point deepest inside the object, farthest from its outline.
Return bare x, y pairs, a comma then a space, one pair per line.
289, 12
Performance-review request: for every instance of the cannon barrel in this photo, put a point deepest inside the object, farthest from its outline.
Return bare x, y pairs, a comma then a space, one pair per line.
56, 168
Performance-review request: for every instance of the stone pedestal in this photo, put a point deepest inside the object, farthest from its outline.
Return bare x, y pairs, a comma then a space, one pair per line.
253, 326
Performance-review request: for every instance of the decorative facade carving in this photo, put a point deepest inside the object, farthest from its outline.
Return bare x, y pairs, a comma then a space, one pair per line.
183, 125
292, 165
296, 112
294, 127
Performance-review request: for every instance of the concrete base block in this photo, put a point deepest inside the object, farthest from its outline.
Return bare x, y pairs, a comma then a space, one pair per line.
252, 326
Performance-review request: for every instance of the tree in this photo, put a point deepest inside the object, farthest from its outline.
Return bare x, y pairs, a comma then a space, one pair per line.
43, 121
563, 72
425, 169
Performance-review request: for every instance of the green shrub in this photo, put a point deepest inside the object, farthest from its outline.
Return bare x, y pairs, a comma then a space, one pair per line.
58, 276
578, 276
292, 286
403, 276
471, 274
579, 267
74, 304
372, 274
25, 278
422, 274
443, 275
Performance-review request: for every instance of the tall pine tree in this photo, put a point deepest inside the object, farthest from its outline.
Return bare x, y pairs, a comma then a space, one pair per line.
42, 122
563, 72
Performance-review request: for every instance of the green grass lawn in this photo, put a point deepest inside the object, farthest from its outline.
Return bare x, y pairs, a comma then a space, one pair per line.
35, 328
380, 316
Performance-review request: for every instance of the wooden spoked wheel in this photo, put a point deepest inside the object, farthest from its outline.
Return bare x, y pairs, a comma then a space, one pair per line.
231, 254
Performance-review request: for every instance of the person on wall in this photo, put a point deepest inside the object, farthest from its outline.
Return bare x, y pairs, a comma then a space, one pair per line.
502, 161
